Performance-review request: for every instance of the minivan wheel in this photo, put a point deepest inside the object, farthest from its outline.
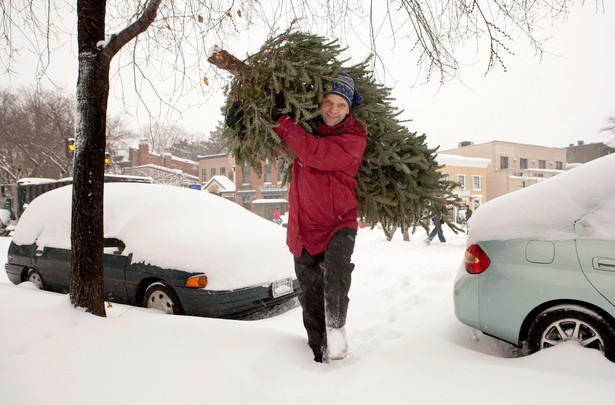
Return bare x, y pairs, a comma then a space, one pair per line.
561, 324
35, 277
162, 297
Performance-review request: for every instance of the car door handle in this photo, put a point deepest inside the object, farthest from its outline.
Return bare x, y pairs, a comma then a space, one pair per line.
603, 263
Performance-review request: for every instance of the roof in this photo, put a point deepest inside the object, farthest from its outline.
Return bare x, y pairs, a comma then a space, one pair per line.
214, 156
270, 201
462, 161
219, 184
587, 152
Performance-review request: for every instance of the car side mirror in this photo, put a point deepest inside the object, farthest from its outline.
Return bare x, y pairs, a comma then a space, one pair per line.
116, 243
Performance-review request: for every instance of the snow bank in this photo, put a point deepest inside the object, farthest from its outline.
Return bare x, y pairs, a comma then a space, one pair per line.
548, 210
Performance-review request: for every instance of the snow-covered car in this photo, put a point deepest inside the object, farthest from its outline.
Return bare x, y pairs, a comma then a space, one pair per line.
179, 250
539, 268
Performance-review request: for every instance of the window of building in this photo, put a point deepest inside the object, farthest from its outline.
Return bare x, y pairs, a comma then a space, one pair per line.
213, 172
559, 165
203, 175
503, 162
267, 173
445, 177
476, 182
245, 175
523, 163
461, 181
542, 164
222, 171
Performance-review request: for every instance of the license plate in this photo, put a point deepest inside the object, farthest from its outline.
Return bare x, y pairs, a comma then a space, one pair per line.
282, 287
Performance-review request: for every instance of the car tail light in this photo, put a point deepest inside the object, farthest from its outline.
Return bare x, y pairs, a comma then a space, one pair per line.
476, 260
199, 281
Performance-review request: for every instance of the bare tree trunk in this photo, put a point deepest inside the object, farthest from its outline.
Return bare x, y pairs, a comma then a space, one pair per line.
87, 233
86, 286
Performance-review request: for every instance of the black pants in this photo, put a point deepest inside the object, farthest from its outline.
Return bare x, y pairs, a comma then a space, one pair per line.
325, 281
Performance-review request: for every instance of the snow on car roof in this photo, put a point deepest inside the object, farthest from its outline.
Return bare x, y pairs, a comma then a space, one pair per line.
172, 227
548, 210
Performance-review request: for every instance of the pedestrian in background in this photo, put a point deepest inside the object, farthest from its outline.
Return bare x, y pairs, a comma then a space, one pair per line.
276, 216
436, 230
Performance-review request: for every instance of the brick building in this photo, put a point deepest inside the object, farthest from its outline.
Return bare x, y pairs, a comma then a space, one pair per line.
259, 194
163, 168
141, 156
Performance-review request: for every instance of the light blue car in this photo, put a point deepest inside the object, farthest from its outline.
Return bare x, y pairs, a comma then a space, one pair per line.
539, 268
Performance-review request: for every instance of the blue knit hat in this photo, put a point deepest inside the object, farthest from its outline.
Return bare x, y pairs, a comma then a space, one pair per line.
344, 87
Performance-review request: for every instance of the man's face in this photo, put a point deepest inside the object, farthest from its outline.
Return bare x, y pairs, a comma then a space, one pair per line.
333, 109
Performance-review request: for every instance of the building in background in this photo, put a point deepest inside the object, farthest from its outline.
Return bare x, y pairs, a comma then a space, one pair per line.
162, 168
585, 152
470, 175
261, 194
514, 166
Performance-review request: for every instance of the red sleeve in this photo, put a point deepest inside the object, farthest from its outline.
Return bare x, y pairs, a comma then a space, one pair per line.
343, 151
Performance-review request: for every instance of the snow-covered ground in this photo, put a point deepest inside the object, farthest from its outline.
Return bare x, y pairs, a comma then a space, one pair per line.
405, 345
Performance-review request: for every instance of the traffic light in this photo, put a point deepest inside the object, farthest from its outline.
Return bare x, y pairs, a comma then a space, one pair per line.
107, 159
70, 147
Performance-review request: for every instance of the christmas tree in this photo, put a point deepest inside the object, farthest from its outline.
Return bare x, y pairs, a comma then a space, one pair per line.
399, 184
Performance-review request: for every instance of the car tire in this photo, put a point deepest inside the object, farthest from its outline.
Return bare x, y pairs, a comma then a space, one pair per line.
162, 297
35, 277
564, 323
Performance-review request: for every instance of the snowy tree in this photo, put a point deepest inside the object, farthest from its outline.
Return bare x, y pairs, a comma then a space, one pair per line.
215, 143
174, 29
609, 130
192, 149
34, 128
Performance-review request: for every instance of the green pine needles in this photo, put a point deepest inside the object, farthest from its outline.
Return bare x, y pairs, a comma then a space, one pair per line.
399, 184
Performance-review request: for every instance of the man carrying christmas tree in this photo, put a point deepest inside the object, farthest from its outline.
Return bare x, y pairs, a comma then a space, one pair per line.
322, 221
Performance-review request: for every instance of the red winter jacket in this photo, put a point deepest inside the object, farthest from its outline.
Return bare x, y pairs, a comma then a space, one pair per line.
322, 197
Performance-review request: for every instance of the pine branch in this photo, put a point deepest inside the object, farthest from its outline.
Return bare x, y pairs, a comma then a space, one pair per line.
399, 182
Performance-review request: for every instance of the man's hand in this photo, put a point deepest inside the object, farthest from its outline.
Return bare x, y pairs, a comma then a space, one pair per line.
278, 106
233, 114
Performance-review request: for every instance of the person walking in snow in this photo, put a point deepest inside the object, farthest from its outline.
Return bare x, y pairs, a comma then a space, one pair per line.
323, 208
468, 216
436, 230
276, 216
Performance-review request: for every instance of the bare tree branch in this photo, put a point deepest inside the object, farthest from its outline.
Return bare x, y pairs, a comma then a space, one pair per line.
118, 41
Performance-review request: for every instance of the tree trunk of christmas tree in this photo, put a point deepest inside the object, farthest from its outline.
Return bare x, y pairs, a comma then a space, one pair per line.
225, 61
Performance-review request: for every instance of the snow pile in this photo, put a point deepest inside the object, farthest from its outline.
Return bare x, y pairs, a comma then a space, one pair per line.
5, 216
548, 210
404, 346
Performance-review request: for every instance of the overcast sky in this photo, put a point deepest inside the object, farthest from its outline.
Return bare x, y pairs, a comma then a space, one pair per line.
563, 98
